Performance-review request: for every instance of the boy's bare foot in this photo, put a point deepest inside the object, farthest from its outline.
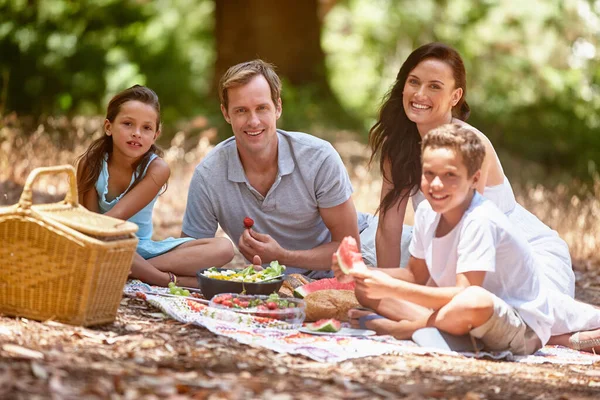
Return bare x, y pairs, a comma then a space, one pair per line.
363, 319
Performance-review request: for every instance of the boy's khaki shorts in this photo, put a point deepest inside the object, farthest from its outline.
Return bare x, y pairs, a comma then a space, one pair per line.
506, 330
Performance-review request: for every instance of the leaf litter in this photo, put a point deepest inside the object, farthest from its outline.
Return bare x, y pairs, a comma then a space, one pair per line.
167, 359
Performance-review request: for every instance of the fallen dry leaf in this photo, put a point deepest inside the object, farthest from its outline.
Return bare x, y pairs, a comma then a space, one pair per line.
22, 352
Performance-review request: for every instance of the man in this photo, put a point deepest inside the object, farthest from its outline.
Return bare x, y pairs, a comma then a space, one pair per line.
293, 185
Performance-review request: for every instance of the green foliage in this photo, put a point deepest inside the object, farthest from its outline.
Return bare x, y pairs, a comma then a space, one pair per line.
533, 67
54, 51
303, 111
61, 56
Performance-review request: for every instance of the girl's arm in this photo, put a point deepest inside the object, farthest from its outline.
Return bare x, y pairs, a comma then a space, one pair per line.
144, 192
389, 230
90, 200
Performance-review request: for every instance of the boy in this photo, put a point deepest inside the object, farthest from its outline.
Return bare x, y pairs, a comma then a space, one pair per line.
485, 273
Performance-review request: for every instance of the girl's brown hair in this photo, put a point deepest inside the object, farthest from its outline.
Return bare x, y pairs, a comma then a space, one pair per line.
90, 163
396, 138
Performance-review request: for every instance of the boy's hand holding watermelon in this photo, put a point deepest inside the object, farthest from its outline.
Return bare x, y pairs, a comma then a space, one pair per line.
374, 284
347, 261
337, 272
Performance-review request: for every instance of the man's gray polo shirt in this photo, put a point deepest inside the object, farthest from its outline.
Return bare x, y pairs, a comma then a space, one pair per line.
311, 176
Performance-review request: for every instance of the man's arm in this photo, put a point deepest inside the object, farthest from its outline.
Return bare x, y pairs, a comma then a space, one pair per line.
341, 221
199, 220
333, 194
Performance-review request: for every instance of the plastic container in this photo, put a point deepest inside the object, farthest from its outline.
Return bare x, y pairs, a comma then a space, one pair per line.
293, 315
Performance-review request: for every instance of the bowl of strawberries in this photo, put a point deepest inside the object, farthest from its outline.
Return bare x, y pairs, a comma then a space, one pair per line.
290, 310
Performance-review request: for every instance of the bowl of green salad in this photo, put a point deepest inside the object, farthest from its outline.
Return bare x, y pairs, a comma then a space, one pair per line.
213, 281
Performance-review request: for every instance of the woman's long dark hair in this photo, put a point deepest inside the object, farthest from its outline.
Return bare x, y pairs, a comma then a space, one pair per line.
90, 163
396, 139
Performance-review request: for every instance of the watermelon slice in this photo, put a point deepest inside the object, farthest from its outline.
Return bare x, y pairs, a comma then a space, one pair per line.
322, 284
325, 325
348, 255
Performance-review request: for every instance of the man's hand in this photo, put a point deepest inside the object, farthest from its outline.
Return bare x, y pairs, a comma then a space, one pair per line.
373, 284
257, 263
257, 244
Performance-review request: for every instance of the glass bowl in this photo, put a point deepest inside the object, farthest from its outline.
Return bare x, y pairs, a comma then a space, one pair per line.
290, 310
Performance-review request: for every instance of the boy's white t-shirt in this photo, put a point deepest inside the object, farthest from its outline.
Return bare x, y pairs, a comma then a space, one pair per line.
484, 240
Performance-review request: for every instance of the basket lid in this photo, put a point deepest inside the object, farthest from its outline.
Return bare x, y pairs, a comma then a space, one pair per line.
82, 220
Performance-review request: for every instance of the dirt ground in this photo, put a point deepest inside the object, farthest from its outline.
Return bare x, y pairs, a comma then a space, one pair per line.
143, 355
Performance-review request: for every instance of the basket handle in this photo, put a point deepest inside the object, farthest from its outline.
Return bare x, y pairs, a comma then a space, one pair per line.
71, 197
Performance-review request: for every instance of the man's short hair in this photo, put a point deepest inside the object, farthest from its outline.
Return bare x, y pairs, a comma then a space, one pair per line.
460, 139
243, 73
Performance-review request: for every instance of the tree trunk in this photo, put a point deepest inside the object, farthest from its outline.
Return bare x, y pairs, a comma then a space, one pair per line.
283, 32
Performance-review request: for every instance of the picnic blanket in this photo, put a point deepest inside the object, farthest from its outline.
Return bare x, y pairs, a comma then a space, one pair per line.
277, 336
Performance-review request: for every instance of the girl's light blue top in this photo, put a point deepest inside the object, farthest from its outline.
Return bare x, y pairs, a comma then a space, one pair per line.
147, 247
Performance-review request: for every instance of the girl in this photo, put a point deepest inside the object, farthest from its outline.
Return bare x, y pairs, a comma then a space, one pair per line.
122, 174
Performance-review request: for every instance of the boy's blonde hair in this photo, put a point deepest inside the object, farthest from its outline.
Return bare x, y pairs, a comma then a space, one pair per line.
460, 139
243, 73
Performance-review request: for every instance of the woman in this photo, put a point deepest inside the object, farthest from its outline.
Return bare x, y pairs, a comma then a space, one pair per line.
430, 90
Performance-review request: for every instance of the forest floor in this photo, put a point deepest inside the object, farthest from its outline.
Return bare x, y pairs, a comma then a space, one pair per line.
143, 355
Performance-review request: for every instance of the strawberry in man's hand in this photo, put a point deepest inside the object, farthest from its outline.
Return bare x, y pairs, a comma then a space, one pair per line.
248, 222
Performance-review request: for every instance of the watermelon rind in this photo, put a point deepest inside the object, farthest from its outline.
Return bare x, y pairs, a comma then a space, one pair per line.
321, 284
300, 293
328, 325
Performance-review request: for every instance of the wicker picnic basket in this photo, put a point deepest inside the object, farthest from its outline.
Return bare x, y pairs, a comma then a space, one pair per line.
60, 261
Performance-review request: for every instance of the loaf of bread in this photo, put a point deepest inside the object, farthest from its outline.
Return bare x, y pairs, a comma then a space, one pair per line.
330, 303
286, 290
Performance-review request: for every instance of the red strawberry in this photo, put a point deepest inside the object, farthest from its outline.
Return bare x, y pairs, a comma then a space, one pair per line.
227, 303
248, 222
